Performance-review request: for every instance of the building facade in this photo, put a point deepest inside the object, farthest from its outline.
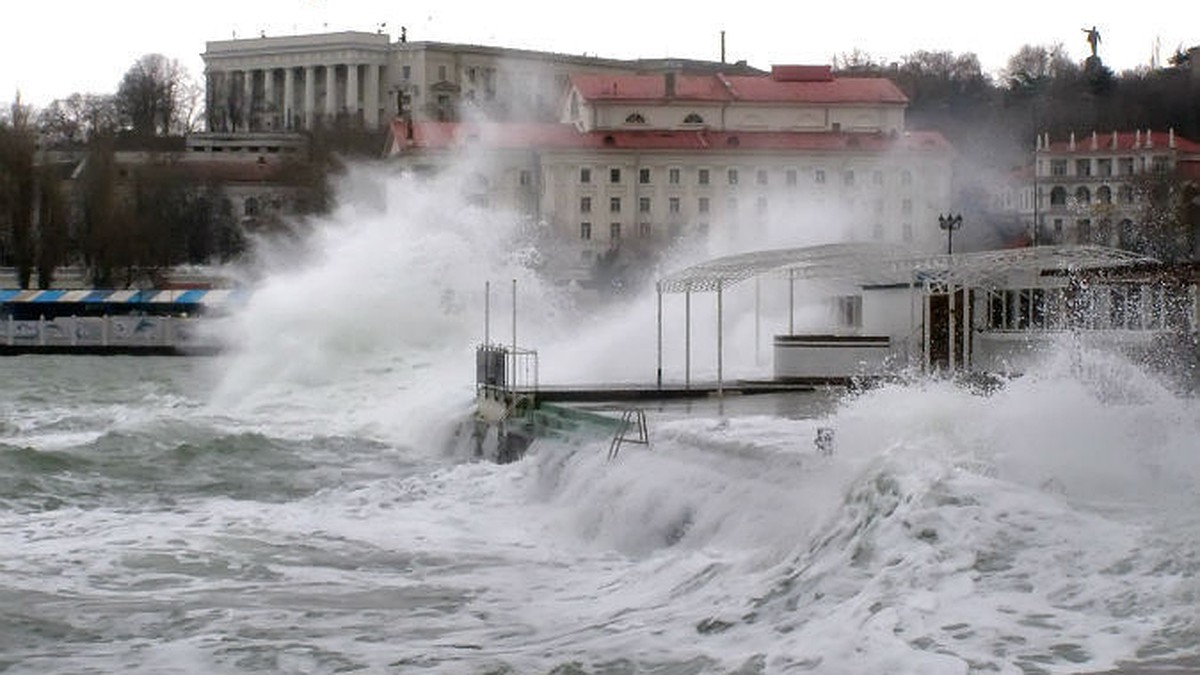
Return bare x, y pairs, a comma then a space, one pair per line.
1092, 190
363, 80
636, 162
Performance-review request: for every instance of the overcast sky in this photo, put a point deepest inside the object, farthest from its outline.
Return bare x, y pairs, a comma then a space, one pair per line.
50, 49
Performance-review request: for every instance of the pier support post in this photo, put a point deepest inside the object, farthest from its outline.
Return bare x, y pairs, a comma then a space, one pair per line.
660, 293
926, 329
791, 301
687, 337
513, 372
950, 327
757, 320
966, 328
720, 344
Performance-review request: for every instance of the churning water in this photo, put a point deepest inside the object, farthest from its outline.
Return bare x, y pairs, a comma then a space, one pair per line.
305, 503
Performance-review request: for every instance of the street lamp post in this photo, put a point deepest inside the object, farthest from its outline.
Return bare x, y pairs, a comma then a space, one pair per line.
950, 223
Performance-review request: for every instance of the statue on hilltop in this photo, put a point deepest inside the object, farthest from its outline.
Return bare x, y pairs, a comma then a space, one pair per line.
1093, 38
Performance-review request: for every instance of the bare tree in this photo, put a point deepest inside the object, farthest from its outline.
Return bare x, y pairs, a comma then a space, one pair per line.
1038, 63
17, 188
77, 119
152, 96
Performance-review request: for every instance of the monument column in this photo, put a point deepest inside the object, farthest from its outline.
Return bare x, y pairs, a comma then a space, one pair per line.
310, 96
289, 97
248, 99
331, 93
371, 96
269, 105
352, 91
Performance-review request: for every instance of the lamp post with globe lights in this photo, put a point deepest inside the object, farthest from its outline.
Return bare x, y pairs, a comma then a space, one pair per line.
950, 223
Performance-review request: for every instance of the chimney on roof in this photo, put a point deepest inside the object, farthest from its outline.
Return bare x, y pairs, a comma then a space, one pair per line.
722, 46
1171, 137
1114, 141
669, 84
1149, 140
1095, 141
1137, 138
1071, 146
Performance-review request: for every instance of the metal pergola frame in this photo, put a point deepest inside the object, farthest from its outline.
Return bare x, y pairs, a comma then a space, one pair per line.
871, 264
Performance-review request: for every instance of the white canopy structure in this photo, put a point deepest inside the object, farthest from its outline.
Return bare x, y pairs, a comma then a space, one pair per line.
876, 264
882, 264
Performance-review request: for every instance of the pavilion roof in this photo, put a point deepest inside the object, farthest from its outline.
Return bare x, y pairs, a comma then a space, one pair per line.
875, 264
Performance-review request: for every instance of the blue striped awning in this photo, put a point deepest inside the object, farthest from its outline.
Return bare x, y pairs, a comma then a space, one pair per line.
48, 296
189, 296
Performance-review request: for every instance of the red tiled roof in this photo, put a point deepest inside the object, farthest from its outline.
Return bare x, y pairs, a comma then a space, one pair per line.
785, 87
442, 135
1125, 141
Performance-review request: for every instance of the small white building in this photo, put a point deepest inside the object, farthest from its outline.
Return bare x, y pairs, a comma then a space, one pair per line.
986, 312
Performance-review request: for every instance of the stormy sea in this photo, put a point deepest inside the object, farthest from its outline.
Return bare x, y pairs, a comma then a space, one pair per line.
309, 501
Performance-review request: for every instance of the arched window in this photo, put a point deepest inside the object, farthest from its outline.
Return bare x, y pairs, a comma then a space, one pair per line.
1104, 194
693, 118
1058, 196
1083, 196
635, 118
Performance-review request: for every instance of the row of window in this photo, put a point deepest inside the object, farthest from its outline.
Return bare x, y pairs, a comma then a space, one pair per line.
1083, 196
614, 230
1103, 166
646, 229
639, 118
1130, 307
704, 205
733, 176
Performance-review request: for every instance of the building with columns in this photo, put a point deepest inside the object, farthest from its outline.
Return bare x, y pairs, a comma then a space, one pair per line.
293, 83
296, 82
637, 162
1090, 189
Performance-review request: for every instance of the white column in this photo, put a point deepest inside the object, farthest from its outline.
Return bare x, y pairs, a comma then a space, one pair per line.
289, 97
310, 96
269, 98
371, 96
330, 93
352, 91
247, 99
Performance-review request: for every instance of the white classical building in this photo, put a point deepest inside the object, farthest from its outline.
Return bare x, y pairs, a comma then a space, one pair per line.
294, 82
290, 83
638, 161
1088, 190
